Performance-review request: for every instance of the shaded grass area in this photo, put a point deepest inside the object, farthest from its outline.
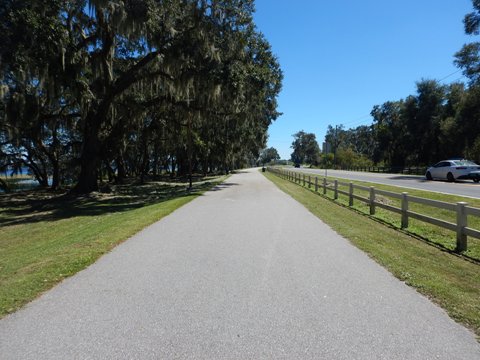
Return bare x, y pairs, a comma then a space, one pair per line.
45, 237
435, 234
449, 280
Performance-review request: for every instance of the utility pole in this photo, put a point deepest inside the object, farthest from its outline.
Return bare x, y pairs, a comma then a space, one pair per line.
189, 150
325, 152
335, 147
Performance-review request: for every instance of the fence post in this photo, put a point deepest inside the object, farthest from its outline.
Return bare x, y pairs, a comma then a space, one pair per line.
309, 182
372, 200
303, 179
335, 194
404, 210
324, 186
316, 184
462, 223
350, 194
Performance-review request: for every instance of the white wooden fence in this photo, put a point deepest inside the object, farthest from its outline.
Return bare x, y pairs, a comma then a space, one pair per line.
461, 209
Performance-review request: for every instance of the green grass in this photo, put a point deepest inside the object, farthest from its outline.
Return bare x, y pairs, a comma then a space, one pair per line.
437, 235
447, 279
45, 237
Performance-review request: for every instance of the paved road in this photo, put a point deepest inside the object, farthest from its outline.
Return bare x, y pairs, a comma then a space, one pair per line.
244, 272
462, 187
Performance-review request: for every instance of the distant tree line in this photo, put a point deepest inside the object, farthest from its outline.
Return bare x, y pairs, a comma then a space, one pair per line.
438, 122
305, 148
268, 155
94, 89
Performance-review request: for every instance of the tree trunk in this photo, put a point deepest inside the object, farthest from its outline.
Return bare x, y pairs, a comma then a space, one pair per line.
39, 174
4, 186
174, 167
189, 150
89, 161
53, 155
121, 173
110, 172
145, 166
55, 174
205, 167
155, 162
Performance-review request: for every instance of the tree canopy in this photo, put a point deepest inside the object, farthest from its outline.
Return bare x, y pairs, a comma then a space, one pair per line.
127, 88
468, 58
268, 155
305, 148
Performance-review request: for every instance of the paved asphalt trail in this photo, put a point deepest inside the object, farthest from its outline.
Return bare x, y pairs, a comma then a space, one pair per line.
244, 272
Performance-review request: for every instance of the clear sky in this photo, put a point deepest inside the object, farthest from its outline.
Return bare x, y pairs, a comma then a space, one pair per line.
342, 57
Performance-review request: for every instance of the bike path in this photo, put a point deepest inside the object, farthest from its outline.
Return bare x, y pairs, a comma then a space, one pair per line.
243, 272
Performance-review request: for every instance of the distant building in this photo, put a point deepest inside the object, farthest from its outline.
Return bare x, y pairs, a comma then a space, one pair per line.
326, 147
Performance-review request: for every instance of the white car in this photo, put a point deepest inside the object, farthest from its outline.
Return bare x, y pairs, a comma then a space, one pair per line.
452, 170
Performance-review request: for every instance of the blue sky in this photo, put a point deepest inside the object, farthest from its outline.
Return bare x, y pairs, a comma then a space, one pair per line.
342, 57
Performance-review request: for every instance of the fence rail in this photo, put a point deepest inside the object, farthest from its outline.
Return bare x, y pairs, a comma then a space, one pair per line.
461, 209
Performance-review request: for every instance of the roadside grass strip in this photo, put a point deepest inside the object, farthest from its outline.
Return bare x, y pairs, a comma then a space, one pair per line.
45, 238
447, 279
442, 237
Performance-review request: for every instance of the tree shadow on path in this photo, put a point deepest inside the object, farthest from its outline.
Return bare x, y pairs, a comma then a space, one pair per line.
223, 186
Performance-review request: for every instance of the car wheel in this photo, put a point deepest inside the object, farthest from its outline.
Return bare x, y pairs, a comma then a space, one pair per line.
450, 177
476, 180
428, 175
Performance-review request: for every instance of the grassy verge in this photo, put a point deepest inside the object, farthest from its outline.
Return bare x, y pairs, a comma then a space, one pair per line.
450, 281
45, 237
437, 235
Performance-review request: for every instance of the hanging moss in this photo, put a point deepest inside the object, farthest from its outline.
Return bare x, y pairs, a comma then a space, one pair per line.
202, 68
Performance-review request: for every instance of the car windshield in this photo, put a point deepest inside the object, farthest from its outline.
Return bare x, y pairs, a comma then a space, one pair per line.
464, 163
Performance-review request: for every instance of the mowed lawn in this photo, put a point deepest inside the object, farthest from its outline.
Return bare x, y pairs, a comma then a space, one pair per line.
46, 237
